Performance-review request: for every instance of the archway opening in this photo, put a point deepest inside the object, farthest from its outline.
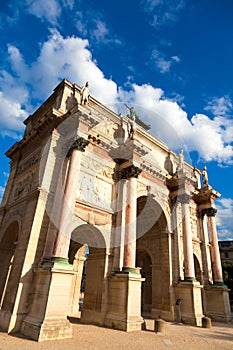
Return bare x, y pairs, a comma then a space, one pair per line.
143, 261
87, 253
7, 251
197, 268
153, 247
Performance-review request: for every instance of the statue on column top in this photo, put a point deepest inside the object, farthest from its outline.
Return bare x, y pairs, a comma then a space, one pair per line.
132, 123
85, 94
132, 112
205, 176
181, 160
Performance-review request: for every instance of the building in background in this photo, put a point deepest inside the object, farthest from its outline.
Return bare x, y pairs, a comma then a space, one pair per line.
226, 251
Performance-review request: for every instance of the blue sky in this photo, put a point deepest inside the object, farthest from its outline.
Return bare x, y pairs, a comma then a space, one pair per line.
171, 59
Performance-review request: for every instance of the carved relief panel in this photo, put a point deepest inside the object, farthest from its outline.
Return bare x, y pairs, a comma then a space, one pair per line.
94, 190
23, 186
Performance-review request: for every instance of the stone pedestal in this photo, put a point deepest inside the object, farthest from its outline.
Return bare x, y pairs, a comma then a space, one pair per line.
218, 305
124, 305
190, 297
47, 317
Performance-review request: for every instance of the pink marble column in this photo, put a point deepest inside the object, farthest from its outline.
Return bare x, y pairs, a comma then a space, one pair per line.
130, 223
120, 226
62, 242
130, 173
215, 254
189, 271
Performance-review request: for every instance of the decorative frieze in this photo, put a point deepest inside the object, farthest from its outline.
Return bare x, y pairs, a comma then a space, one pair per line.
28, 163
152, 170
24, 186
96, 166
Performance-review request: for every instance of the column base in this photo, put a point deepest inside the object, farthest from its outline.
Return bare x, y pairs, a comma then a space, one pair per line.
57, 262
220, 283
50, 329
189, 279
218, 303
124, 301
131, 270
47, 317
190, 302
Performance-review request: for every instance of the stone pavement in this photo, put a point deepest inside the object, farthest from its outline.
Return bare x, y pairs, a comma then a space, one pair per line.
88, 337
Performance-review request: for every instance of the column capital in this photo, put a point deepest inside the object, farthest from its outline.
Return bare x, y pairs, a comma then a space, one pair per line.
183, 198
79, 144
130, 171
209, 211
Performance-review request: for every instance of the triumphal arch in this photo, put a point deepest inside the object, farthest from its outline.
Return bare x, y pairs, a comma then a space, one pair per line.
101, 221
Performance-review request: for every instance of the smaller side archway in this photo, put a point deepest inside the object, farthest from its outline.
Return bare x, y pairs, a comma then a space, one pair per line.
143, 261
8, 246
197, 267
88, 255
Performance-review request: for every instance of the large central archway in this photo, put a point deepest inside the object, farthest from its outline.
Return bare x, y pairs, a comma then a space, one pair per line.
154, 256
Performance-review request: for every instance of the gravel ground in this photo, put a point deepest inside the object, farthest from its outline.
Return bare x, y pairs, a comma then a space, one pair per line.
88, 337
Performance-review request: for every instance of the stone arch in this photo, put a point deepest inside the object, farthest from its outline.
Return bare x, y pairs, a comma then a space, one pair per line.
154, 239
13, 219
8, 246
197, 253
161, 200
87, 237
149, 214
90, 235
143, 260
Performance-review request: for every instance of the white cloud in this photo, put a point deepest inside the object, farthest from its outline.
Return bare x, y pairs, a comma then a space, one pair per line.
81, 24
162, 63
219, 105
163, 11
72, 59
91, 24
45, 10
12, 116
101, 31
48, 10
175, 58
212, 138
224, 218
59, 58
68, 3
